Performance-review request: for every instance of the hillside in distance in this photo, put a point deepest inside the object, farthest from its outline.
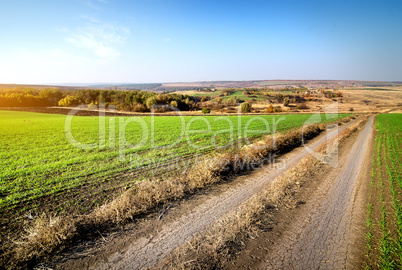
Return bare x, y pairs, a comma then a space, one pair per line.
272, 84
181, 86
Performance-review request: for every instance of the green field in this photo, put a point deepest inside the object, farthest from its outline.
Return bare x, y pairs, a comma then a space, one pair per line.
239, 94
37, 161
384, 222
207, 94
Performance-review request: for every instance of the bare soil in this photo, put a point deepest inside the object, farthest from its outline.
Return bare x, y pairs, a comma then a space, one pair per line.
144, 243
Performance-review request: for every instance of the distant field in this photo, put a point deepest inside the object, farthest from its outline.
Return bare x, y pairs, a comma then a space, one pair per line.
280, 82
39, 165
380, 84
239, 94
374, 89
201, 94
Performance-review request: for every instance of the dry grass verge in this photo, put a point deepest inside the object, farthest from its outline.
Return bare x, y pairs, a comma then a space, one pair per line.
211, 249
50, 234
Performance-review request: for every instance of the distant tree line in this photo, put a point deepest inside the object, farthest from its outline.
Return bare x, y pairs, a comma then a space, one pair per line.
136, 101
29, 97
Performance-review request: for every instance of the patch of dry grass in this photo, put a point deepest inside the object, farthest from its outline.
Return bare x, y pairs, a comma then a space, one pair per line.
49, 234
44, 236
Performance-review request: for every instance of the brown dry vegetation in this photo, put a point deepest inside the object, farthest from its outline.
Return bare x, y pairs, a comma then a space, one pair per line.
360, 100
50, 234
219, 244
368, 101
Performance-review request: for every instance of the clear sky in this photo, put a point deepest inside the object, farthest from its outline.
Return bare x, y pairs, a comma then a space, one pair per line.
112, 41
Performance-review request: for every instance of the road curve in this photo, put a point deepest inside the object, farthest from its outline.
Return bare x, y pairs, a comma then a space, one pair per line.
147, 251
321, 237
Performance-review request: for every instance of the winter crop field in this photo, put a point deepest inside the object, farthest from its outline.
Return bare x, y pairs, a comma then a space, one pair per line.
384, 237
82, 161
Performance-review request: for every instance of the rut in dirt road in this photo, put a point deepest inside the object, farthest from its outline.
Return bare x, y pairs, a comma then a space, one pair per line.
321, 238
147, 251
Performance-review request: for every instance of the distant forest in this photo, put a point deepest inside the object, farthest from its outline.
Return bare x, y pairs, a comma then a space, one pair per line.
136, 101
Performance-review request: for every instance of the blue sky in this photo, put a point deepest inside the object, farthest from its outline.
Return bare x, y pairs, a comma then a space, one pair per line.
111, 41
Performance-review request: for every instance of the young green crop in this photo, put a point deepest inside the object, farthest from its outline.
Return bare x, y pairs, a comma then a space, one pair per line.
37, 158
387, 200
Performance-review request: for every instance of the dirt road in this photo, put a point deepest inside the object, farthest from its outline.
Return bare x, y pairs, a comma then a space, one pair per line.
325, 235
148, 250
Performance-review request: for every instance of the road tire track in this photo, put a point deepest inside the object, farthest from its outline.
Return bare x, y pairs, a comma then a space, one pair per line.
322, 238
